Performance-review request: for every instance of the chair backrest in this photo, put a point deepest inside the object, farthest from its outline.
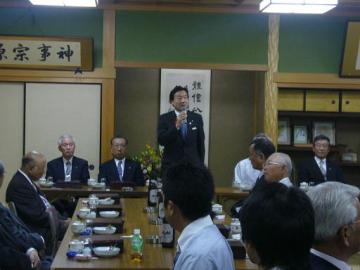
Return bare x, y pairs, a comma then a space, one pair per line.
53, 221
12, 207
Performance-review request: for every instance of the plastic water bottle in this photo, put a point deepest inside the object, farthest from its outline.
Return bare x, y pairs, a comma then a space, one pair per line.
137, 244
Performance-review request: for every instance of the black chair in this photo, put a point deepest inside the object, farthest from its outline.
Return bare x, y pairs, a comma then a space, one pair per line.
53, 221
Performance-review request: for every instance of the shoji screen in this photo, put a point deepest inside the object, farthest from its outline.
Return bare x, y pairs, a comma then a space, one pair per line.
53, 109
12, 129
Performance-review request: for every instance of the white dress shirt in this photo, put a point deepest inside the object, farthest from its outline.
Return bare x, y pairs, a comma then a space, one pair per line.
286, 181
245, 174
338, 263
318, 163
122, 166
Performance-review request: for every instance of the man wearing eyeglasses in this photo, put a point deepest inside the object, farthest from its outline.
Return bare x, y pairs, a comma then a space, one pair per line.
277, 168
121, 169
319, 169
337, 225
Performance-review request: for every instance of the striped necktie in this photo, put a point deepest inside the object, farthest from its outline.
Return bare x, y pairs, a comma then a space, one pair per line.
322, 168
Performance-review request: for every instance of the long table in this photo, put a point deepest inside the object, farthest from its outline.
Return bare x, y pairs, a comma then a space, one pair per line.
155, 257
54, 193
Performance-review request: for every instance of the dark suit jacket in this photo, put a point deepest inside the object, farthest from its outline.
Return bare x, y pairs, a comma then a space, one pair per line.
132, 172
318, 263
79, 171
30, 207
309, 171
15, 234
11, 259
175, 148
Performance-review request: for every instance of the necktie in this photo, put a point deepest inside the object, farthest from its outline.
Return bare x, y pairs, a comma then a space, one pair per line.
68, 171
322, 168
119, 169
183, 130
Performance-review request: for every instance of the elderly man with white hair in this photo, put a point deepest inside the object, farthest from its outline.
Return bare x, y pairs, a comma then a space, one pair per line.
277, 168
68, 167
337, 225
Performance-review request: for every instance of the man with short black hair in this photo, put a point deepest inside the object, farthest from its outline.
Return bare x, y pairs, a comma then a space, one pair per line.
337, 225
319, 169
181, 132
121, 169
188, 192
277, 226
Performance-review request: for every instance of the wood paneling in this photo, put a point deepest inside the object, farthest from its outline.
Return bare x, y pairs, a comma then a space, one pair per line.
322, 101
350, 101
290, 100
107, 118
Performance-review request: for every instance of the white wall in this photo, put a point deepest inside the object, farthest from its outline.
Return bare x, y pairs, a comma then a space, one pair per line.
53, 109
11, 134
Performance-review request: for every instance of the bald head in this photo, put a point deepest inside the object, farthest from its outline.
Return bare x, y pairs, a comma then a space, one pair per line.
277, 166
33, 165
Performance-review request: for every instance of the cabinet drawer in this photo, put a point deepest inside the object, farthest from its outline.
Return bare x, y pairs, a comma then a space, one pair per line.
350, 101
322, 101
291, 100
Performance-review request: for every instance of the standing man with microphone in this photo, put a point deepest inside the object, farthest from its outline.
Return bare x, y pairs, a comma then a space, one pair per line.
181, 132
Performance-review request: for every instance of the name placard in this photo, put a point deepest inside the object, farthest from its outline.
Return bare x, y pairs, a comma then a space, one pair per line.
56, 53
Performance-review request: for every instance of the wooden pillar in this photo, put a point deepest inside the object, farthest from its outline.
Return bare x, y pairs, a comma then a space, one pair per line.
108, 85
271, 91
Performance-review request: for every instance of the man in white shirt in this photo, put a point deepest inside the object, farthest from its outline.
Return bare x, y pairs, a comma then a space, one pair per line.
188, 192
277, 168
337, 225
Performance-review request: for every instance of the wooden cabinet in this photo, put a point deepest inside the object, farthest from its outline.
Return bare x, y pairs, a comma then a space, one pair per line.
291, 100
322, 101
350, 101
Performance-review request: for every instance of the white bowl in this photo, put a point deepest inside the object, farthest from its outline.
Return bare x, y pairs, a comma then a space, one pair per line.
46, 184
77, 227
107, 201
98, 185
104, 230
106, 251
217, 209
109, 214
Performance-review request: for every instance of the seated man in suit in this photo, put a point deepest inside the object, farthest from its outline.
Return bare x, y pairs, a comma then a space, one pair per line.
337, 225
188, 192
121, 169
30, 202
18, 246
277, 168
319, 169
68, 167
277, 226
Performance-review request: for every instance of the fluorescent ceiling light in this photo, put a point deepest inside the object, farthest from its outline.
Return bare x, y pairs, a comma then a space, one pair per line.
67, 3
297, 6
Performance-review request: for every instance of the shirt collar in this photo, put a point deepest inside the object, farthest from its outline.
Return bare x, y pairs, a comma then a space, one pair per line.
286, 181
27, 178
338, 263
318, 160
65, 160
192, 229
119, 160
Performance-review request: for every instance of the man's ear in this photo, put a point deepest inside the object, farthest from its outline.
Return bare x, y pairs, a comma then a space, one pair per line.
345, 233
170, 207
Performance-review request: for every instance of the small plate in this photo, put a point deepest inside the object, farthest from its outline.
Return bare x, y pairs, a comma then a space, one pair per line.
107, 201
99, 185
104, 230
109, 214
46, 184
106, 251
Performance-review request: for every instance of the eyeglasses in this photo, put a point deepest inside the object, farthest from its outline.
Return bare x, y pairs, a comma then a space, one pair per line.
119, 145
321, 145
269, 163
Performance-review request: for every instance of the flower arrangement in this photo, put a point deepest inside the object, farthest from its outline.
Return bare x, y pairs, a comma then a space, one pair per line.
150, 161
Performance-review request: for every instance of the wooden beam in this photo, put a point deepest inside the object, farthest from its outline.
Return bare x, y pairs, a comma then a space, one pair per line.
107, 118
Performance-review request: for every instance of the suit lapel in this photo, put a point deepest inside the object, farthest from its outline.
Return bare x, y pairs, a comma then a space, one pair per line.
114, 170
60, 165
